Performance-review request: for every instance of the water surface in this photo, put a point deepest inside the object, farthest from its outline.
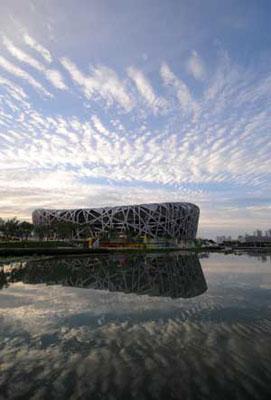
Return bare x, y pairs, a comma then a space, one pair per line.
136, 327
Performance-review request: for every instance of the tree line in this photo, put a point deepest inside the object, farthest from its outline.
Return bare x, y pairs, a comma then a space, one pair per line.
12, 229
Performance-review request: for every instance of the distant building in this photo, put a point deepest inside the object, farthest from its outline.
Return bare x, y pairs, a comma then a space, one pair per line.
258, 236
220, 239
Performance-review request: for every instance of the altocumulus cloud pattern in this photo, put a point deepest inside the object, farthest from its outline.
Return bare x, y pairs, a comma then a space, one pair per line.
175, 220
135, 116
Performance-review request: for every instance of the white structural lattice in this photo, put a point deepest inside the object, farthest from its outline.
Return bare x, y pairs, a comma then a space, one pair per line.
174, 220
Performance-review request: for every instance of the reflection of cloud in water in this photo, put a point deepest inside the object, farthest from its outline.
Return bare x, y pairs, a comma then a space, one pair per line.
142, 360
61, 342
235, 271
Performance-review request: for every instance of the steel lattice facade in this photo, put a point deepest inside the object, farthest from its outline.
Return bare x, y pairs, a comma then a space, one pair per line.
173, 220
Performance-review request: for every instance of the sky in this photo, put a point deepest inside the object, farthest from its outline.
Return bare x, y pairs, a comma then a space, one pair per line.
115, 102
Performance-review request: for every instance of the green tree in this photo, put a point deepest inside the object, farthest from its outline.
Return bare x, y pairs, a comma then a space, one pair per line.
25, 229
63, 230
2, 227
42, 231
11, 228
131, 234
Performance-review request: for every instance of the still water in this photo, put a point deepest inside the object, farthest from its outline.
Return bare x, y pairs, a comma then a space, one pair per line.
136, 327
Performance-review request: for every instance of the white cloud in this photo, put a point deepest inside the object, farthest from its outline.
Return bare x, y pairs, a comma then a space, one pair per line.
195, 66
56, 79
38, 47
36, 192
20, 73
98, 125
13, 87
204, 158
22, 56
145, 89
182, 91
102, 82
53, 76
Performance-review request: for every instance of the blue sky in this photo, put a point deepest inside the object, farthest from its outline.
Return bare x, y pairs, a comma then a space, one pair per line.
123, 102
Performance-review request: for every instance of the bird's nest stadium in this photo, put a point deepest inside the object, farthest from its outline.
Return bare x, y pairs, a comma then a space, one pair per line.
156, 220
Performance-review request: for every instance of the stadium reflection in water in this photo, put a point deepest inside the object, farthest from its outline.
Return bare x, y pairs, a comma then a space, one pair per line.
129, 327
155, 275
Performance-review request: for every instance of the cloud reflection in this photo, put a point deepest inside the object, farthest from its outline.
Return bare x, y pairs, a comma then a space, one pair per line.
71, 342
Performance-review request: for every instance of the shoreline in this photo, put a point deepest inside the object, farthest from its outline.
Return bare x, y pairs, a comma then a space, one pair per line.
80, 251
55, 251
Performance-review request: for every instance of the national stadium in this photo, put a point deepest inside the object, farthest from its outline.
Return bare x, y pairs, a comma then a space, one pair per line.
174, 220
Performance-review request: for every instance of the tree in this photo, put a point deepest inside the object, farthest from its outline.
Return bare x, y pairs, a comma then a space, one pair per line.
63, 230
2, 227
3, 279
25, 229
113, 233
131, 234
42, 231
11, 228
